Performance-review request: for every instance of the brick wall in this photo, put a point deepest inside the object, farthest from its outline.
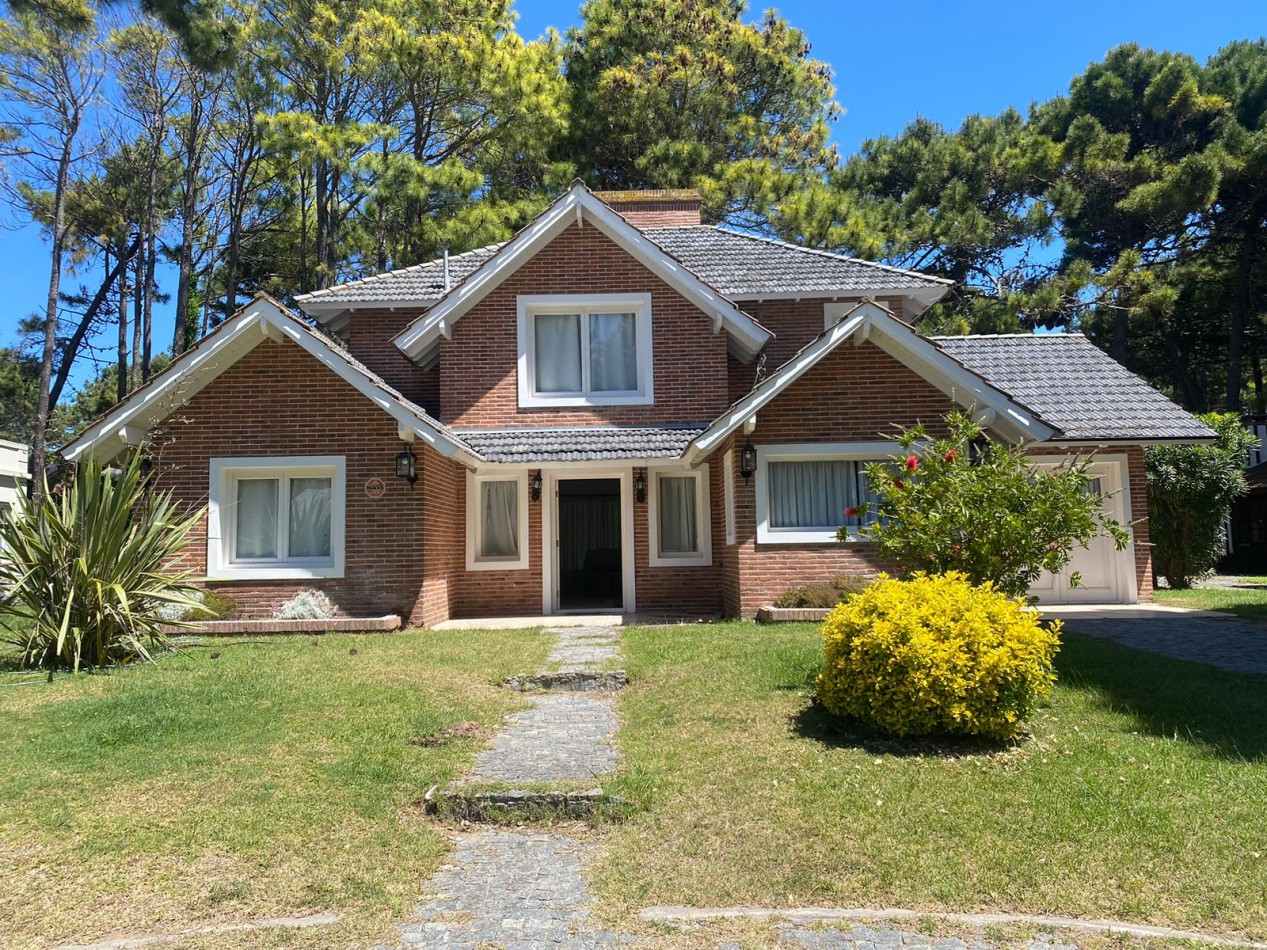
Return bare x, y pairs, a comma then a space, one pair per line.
370, 335
679, 589
478, 367
655, 208
278, 400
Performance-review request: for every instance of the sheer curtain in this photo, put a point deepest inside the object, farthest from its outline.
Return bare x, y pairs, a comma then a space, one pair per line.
499, 507
310, 517
256, 518
558, 352
677, 515
613, 352
815, 494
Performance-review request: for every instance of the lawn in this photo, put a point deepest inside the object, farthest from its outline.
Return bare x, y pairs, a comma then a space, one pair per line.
238, 779
1142, 794
1247, 602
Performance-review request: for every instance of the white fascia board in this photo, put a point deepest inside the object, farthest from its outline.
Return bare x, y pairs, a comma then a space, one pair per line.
415, 340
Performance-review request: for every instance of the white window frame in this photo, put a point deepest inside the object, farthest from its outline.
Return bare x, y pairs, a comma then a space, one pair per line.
728, 487
530, 305
809, 452
222, 525
474, 527
703, 519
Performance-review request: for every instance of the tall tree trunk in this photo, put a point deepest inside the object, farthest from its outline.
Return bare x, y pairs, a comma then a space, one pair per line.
121, 389
44, 405
1242, 303
321, 185
138, 312
188, 210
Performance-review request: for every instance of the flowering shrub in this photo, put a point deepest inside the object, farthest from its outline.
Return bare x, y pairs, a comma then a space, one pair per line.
936, 655
969, 504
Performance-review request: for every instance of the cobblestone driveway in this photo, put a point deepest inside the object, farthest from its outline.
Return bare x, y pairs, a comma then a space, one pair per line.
1221, 640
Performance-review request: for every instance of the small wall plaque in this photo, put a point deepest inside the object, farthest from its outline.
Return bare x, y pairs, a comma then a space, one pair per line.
375, 488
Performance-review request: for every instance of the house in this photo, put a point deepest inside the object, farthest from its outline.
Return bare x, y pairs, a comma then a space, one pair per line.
14, 473
619, 409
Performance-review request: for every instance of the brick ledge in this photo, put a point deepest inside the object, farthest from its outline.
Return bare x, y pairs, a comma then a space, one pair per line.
227, 628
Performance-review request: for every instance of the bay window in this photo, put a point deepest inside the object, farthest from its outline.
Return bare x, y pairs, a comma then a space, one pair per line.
496, 522
585, 351
276, 517
679, 516
804, 491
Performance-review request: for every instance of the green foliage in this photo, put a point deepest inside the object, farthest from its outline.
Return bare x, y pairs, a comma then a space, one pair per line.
839, 590
216, 606
1190, 492
968, 504
675, 93
936, 655
88, 567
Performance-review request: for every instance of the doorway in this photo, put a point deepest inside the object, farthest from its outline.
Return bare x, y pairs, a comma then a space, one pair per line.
589, 544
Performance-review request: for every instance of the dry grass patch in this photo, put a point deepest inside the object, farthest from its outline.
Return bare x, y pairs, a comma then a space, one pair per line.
269, 781
1141, 795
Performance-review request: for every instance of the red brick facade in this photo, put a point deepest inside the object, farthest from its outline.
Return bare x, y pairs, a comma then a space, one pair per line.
406, 551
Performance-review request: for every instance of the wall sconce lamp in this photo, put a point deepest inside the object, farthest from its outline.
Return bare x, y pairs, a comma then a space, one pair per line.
977, 449
640, 487
534, 486
407, 464
748, 459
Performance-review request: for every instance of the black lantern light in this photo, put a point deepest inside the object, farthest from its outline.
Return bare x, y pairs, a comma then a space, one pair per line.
407, 464
534, 486
748, 459
640, 487
977, 448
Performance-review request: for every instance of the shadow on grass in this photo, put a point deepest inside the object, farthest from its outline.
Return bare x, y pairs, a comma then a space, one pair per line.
1223, 712
816, 723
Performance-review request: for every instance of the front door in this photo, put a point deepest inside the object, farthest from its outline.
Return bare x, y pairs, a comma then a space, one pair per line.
1107, 574
589, 545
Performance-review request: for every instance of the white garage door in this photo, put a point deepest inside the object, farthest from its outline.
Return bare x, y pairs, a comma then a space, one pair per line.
1108, 575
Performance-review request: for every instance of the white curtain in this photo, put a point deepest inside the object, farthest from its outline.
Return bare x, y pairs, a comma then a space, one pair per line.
256, 534
558, 356
613, 352
678, 534
816, 494
499, 507
310, 517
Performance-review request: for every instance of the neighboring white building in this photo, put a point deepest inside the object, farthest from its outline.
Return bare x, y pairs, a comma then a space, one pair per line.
14, 475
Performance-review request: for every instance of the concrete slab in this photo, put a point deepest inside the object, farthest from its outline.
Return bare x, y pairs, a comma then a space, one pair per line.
1123, 612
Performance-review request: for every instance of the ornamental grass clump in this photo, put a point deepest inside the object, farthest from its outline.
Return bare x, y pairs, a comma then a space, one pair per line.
89, 571
936, 655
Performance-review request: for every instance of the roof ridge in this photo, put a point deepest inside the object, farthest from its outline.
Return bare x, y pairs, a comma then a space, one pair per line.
778, 242
397, 272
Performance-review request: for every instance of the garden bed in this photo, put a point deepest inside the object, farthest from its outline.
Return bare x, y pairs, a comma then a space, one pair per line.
238, 628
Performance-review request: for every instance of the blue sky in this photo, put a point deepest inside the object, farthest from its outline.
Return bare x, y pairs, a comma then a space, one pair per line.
893, 61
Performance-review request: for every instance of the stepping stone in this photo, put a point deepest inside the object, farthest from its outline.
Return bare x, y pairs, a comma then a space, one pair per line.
579, 681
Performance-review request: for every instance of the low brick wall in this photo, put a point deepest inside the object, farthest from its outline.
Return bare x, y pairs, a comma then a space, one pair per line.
234, 628
791, 614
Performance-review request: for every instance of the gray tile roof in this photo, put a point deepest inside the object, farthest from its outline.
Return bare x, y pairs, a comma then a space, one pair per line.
586, 444
1075, 386
743, 266
422, 283
736, 265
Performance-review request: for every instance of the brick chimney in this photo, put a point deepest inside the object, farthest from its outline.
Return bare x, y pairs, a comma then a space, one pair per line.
655, 207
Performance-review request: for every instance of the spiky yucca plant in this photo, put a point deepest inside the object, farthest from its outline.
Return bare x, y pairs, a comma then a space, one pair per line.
88, 568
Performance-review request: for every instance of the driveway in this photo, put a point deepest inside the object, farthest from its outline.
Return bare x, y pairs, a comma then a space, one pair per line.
1201, 636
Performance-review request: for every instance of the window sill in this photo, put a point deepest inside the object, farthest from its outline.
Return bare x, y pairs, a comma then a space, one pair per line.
514, 564
547, 402
685, 560
768, 536
274, 572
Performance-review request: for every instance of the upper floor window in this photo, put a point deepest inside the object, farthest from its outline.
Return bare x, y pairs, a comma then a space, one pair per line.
585, 351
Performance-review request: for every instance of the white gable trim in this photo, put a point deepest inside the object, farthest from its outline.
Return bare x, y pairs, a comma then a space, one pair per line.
869, 322
188, 375
579, 205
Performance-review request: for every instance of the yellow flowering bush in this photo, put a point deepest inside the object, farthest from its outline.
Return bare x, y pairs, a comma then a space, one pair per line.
936, 655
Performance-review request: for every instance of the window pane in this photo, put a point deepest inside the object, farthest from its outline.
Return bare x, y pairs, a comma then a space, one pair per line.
310, 517
613, 352
558, 356
499, 519
678, 533
815, 494
256, 534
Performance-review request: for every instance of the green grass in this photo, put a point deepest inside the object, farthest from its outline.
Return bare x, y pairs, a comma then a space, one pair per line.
1249, 603
238, 779
1142, 794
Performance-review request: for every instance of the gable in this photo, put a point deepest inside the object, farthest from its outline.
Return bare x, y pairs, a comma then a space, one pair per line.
580, 207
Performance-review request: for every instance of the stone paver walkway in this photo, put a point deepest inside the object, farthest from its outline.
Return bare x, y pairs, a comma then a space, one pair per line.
564, 737
1225, 641
882, 938
584, 648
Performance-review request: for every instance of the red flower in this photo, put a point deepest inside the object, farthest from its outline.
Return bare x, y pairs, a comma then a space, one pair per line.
912, 463
850, 512
952, 455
